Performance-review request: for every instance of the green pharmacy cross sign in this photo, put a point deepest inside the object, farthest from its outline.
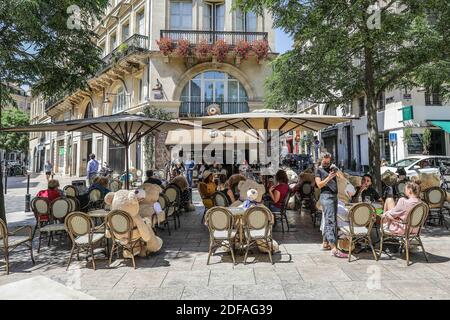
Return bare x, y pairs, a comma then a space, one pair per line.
407, 113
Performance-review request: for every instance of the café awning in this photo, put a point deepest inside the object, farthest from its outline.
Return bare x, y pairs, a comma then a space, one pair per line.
443, 124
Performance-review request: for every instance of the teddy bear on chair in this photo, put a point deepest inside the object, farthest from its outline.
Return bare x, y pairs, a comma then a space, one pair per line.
128, 201
149, 207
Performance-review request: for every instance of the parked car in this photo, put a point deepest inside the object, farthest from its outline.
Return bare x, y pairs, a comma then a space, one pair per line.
419, 164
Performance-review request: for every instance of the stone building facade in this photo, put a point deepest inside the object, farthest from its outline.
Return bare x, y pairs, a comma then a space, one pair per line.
137, 73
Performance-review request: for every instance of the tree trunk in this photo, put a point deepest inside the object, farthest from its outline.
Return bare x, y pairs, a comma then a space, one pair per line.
2, 196
372, 124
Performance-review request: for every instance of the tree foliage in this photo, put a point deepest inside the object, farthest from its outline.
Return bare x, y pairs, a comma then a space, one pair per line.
49, 45
17, 142
341, 51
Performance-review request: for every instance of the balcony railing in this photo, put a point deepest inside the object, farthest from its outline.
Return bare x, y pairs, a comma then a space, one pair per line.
230, 37
304, 105
199, 109
135, 43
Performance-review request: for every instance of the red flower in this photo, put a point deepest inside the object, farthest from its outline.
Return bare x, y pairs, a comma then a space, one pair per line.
165, 45
183, 48
242, 49
220, 50
203, 49
261, 49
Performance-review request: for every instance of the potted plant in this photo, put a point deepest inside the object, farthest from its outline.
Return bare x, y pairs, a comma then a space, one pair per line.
241, 50
183, 48
261, 49
426, 140
165, 46
220, 50
203, 49
123, 48
407, 136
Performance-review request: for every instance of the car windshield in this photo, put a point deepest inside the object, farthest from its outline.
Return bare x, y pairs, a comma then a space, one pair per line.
405, 162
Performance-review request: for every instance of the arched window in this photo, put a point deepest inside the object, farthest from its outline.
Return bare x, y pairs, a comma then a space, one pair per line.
120, 101
213, 87
89, 112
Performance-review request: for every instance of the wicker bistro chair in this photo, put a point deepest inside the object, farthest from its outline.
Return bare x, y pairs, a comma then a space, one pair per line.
173, 193
83, 234
220, 199
95, 200
435, 198
70, 191
123, 232
362, 218
414, 223
41, 209
164, 202
316, 214
305, 195
258, 227
74, 204
220, 222
9, 240
282, 215
59, 209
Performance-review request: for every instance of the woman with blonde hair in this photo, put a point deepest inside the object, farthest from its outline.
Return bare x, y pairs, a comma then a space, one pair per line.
395, 214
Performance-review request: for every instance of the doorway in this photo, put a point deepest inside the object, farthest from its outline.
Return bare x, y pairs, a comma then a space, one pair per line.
116, 156
437, 144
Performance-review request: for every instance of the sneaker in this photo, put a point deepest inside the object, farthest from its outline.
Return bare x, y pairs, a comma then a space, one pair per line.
339, 254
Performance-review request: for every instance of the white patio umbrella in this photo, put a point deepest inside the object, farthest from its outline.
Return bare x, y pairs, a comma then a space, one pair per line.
123, 128
269, 120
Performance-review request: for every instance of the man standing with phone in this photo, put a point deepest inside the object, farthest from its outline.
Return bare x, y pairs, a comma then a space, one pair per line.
327, 182
92, 168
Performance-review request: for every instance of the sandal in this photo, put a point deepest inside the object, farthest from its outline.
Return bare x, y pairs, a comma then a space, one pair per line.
326, 247
339, 254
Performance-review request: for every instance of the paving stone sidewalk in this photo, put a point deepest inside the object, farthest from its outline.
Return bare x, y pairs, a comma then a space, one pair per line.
301, 269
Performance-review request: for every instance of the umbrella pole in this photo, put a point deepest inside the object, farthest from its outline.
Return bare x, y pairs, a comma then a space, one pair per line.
127, 167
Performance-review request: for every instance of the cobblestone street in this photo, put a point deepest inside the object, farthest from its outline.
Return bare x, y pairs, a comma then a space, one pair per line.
179, 270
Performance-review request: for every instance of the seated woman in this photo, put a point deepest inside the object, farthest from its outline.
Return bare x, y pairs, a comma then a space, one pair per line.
366, 190
185, 197
396, 213
100, 183
279, 191
207, 188
52, 192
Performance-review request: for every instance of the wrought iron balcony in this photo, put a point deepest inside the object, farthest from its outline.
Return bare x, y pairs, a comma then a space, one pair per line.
135, 43
231, 37
199, 109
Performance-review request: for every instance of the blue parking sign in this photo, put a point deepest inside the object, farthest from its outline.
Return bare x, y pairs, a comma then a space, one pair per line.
392, 136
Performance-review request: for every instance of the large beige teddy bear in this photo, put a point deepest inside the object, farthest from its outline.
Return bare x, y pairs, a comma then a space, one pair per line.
429, 180
149, 207
244, 187
128, 201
